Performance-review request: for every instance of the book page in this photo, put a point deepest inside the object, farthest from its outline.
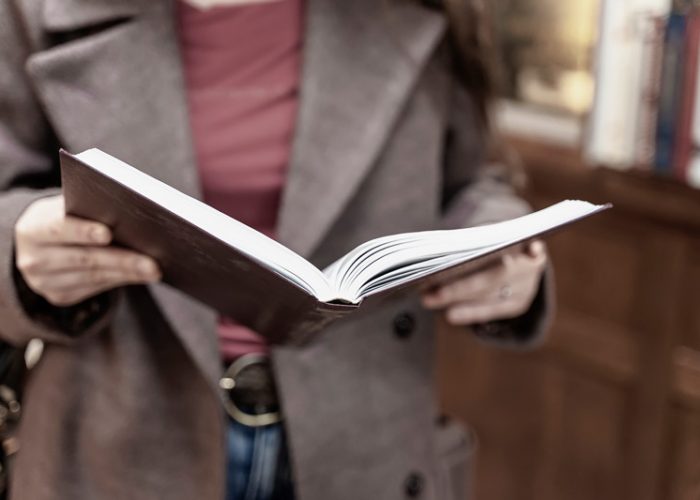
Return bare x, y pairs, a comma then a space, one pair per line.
245, 239
394, 260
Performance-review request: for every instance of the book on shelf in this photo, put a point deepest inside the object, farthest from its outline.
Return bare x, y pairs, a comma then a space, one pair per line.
671, 97
646, 113
653, 28
259, 282
624, 61
688, 80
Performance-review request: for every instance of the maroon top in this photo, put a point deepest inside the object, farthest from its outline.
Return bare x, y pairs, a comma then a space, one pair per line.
241, 67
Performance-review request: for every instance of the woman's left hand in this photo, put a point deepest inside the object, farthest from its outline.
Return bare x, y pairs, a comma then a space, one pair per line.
503, 291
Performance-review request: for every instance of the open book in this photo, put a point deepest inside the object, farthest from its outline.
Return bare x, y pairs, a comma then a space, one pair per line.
260, 282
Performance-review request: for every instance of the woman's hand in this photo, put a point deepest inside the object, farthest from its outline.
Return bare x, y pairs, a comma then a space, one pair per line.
503, 291
67, 260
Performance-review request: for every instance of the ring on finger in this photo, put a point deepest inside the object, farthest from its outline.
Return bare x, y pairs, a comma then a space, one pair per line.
505, 292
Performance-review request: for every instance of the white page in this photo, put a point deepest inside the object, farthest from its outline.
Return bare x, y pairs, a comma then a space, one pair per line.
444, 248
371, 267
247, 240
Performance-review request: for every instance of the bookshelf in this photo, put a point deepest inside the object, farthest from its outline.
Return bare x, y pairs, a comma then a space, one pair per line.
609, 407
638, 191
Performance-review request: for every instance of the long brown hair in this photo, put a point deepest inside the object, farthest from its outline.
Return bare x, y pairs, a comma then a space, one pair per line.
473, 60
471, 52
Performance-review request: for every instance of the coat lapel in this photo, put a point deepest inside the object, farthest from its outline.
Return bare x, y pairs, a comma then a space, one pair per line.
114, 81
360, 63
63, 15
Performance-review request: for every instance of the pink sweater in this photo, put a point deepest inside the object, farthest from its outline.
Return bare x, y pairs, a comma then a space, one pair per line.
241, 67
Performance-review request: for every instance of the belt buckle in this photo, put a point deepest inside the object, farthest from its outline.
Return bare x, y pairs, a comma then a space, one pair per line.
228, 382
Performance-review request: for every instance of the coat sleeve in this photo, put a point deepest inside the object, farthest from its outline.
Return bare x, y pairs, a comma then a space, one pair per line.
28, 172
477, 192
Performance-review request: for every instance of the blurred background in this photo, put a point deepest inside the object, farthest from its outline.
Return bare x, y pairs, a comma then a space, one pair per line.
598, 100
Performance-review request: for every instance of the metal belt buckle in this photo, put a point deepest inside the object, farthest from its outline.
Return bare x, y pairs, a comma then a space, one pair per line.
228, 383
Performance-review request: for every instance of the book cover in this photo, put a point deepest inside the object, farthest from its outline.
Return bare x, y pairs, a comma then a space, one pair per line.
247, 276
653, 30
683, 143
612, 133
671, 89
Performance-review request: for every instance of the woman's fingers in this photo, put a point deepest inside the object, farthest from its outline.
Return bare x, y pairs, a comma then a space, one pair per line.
72, 231
45, 223
467, 314
502, 291
537, 251
514, 272
481, 286
66, 259
472, 287
67, 275
91, 278
71, 287
71, 295
58, 259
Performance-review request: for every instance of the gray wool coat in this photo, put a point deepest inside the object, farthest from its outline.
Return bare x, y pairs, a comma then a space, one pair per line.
124, 402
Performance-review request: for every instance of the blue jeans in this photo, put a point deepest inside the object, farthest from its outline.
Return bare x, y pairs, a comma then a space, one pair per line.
258, 463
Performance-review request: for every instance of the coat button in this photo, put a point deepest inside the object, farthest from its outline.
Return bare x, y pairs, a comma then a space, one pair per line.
413, 486
404, 324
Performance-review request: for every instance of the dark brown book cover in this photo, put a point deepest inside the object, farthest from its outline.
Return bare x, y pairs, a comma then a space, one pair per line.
262, 284
194, 261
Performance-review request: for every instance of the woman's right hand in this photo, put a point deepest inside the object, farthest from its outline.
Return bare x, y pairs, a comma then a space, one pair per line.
67, 260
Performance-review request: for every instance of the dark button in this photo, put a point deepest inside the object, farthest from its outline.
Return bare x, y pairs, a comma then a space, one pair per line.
404, 324
490, 330
442, 420
413, 486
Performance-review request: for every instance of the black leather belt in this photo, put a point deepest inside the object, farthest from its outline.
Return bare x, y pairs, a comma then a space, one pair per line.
250, 394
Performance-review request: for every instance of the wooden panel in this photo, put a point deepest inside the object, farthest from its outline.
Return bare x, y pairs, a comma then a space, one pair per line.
683, 463
627, 268
596, 346
689, 300
597, 266
585, 438
686, 377
546, 432
642, 195
609, 408
505, 408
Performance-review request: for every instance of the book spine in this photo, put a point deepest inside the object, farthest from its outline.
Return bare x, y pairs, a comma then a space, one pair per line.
692, 177
314, 321
653, 28
683, 141
669, 101
613, 132
605, 141
692, 173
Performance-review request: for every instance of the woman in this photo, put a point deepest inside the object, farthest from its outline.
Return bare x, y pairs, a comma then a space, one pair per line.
322, 124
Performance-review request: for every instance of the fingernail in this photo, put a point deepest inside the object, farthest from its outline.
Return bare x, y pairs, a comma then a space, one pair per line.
99, 234
431, 301
147, 267
454, 316
536, 247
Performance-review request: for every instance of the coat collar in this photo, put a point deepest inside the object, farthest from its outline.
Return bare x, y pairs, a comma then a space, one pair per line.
60, 15
117, 84
360, 64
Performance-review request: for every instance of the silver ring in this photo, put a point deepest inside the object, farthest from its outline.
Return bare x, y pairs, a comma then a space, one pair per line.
505, 292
